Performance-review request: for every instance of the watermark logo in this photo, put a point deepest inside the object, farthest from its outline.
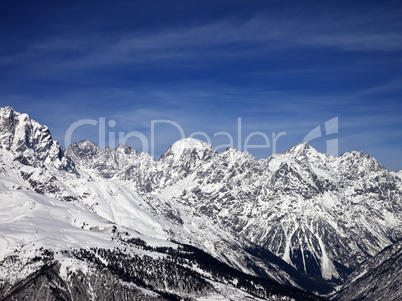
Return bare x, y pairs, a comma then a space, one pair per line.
148, 145
331, 127
107, 136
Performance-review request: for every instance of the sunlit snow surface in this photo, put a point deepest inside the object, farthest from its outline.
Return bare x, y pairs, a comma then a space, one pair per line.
313, 210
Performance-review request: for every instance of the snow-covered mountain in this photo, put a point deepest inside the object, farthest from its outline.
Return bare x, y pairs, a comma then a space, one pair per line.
225, 225
80, 234
321, 214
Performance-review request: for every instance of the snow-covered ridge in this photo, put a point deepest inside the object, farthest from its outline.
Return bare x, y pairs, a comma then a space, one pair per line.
102, 208
321, 214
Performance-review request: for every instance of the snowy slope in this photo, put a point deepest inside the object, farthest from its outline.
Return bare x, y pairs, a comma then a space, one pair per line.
322, 215
48, 246
66, 223
38, 232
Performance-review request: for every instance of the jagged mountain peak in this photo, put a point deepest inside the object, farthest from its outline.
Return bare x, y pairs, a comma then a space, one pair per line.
360, 161
301, 149
19, 131
127, 150
188, 146
7, 110
85, 146
125, 147
358, 156
302, 157
233, 154
84, 149
87, 143
30, 142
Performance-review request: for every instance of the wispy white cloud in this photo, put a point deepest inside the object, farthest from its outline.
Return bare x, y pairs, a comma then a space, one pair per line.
211, 41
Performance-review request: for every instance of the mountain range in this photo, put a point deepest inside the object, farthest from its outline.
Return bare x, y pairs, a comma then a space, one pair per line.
94, 224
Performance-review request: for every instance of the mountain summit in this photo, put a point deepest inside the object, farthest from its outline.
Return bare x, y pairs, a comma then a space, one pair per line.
30, 142
188, 148
218, 224
319, 213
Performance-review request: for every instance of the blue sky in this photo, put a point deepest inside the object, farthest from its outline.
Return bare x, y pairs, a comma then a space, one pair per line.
280, 66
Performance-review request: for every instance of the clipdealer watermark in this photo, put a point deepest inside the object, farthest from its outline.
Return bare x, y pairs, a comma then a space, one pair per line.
148, 144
